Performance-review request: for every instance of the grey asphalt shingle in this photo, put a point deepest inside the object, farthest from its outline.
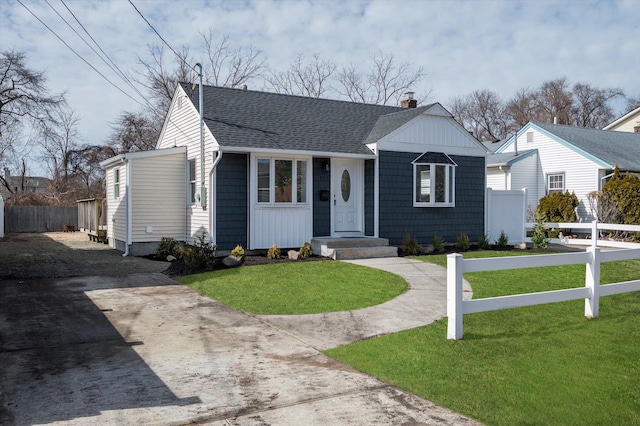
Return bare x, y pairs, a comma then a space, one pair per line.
621, 148
252, 119
506, 158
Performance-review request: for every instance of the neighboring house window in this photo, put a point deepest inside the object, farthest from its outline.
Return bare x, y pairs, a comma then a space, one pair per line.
192, 181
434, 180
116, 183
529, 137
555, 183
281, 181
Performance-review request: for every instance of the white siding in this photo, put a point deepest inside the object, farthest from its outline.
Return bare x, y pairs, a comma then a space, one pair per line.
287, 227
431, 133
581, 174
182, 128
116, 208
497, 179
524, 175
158, 190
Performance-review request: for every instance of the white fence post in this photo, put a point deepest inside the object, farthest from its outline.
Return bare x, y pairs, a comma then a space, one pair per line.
524, 216
592, 282
594, 233
454, 296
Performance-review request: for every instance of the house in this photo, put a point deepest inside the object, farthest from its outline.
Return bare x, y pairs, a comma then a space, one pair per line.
22, 184
630, 122
281, 169
548, 158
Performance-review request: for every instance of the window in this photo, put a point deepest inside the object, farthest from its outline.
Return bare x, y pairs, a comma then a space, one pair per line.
555, 183
281, 181
529, 137
116, 183
192, 181
434, 177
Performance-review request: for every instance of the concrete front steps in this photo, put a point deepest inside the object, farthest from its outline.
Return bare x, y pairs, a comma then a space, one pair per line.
353, 248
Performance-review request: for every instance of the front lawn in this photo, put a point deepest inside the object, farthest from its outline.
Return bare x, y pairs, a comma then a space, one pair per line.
298, 288
543, 364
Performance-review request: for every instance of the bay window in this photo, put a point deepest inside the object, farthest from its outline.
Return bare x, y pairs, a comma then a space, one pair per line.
434, 180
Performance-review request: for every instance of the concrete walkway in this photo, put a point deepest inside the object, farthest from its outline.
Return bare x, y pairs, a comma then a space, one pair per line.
424, 302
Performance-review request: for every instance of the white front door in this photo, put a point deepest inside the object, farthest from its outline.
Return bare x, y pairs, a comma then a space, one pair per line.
347, 194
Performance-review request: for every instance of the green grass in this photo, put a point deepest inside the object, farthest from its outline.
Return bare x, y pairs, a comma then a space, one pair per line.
536, 365
298, 288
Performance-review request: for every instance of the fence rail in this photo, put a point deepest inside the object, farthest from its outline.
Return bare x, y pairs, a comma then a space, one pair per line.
594, 229
39, 218
591, 292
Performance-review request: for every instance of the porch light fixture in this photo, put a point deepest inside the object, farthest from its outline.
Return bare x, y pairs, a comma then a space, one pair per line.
326, 166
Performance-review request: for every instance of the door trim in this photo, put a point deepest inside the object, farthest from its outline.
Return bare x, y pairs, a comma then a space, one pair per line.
357, 185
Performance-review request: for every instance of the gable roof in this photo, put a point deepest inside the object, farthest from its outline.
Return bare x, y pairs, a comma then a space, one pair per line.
508, 158
270, 121
627, 116
389, 122
605, 147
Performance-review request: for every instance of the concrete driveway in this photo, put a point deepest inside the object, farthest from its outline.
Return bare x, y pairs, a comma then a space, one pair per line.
140, 349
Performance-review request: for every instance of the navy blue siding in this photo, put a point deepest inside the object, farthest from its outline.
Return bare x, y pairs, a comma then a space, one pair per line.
232, 201
398, 217
369, 185
321, 209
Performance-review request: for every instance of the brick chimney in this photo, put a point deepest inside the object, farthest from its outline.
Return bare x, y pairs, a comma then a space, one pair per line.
408, 101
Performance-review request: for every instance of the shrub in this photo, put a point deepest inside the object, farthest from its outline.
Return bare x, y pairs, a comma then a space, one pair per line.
539, 237
410, 245
484, 243
306, 250
238, 252
462, 243
200, 254
273, 252
166, 247
502, 241
624, 193
438, 243
558, 207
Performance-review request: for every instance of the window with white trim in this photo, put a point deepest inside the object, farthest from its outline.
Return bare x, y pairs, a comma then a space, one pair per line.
555, 183
529, 137
434, 180
192, 181
281, 181
116, 183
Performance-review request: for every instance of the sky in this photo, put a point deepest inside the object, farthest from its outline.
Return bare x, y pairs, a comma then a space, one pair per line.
502, 46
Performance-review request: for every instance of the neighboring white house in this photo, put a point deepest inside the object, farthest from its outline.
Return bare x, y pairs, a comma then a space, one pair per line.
549, 158
630, 122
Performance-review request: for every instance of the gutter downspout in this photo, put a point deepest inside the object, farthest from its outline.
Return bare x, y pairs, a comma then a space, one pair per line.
212, 211
127, 208
201, 106
505, 177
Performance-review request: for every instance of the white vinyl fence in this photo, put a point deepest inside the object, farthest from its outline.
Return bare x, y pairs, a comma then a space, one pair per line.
594, 228
1, 217
591, 292
506, 212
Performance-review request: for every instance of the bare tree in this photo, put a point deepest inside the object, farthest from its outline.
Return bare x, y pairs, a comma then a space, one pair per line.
385, 82
522, 108
483, 113
228, 66
57, 139
591, 106
555, 101
133, 132
309, 79
632, 103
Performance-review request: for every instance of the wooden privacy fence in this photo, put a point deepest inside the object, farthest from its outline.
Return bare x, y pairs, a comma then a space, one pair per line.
591, 292
92, 217
39, 218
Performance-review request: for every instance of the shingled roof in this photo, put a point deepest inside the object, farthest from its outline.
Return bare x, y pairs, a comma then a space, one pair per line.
262, 120
621, 148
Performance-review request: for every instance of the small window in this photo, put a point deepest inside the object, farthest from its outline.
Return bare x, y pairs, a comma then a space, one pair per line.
116, 183
529, 137
281, 181
192, 181
555, 183
434, 177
